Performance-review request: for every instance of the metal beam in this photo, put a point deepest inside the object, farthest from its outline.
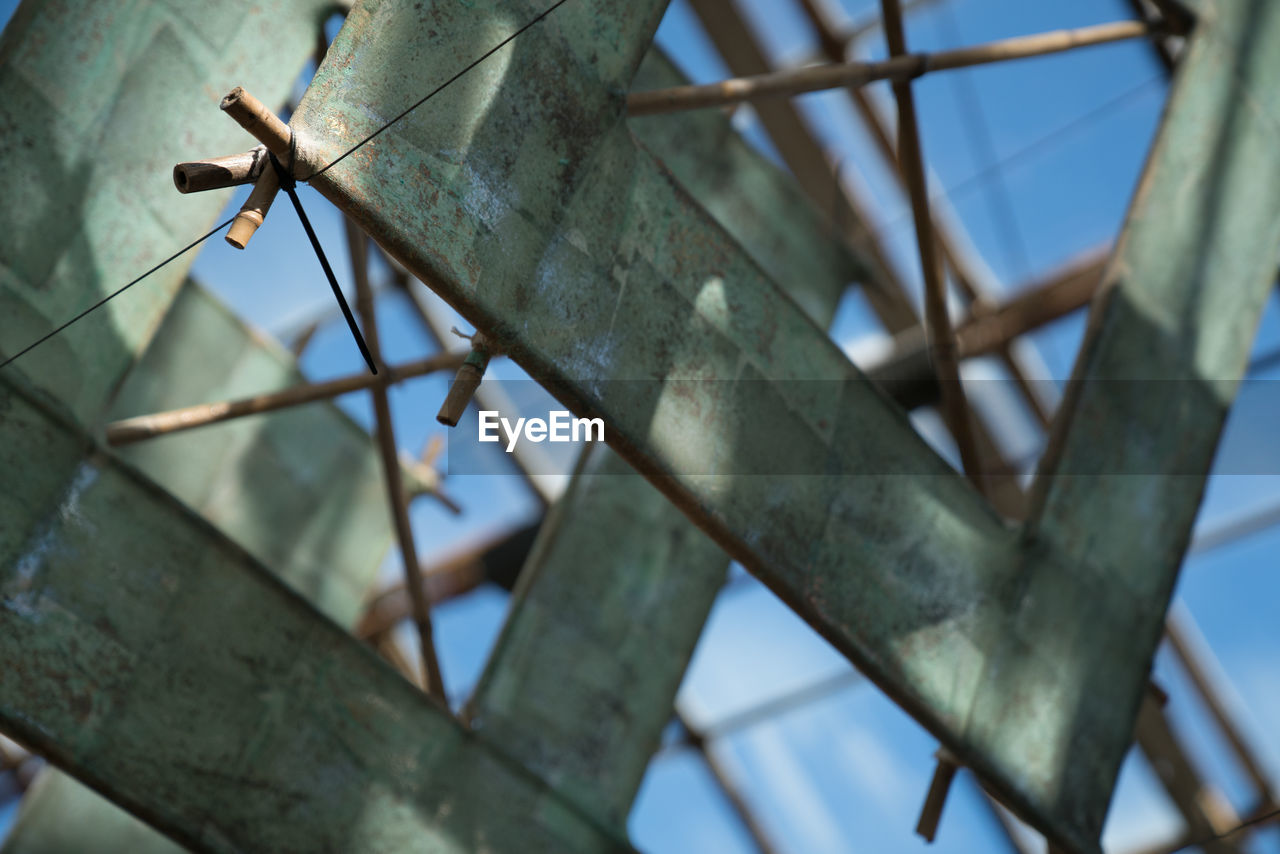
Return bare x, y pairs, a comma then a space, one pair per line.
254, 480
179, 677
951, 612
613, 599
909, 576
1168, 340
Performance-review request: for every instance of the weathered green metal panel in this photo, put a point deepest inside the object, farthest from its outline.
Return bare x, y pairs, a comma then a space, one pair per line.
613, 599
100, 100
547, 227
756, 202
542, 222
300, 490
606, 613
1169, 339
166, 667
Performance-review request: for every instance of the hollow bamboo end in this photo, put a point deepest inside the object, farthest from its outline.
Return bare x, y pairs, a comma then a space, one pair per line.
243, 228
230, 100
252, 115
461, 391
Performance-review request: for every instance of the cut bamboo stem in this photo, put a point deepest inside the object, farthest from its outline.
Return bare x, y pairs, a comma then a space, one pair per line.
898, 68
358, 244
941, 337
943, 774
541, 486
217, 173
464, 386
264, 125
254, 212
268, 129
189, 417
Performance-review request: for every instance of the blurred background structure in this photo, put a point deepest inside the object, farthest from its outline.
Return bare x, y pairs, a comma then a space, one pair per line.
775, 743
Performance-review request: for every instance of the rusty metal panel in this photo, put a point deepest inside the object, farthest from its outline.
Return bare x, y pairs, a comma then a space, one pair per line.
613, 599
101, 99
163, 665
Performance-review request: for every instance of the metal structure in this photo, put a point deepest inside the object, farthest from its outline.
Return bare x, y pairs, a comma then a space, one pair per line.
651, 270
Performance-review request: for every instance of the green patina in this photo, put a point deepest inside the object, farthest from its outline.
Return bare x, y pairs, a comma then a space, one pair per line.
521, 192
950, 611
610, 605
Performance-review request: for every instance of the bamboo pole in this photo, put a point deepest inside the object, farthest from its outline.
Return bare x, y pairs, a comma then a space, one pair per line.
265, 126
217, 173
1206, 813
798, 145
189, 417
730, 789
497, 559
358, 244
942, 341
940, 335
835, 46
796, 142
900, 67
1181, 632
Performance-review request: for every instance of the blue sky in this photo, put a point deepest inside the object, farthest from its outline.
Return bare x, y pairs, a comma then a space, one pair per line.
1042, 174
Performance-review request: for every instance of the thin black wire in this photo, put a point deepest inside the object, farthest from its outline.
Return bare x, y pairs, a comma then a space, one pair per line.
490, 52
346, 311
288, 185
116, 293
